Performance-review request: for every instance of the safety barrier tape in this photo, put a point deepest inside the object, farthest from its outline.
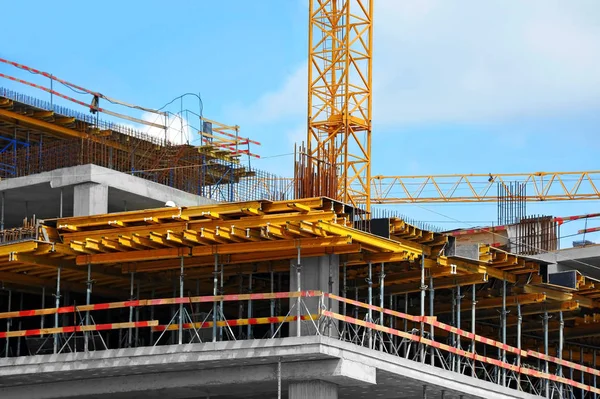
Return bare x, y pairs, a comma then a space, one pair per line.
238, 322
72, 329
54, 92
416, 319
461, 352
155, 302
563, 362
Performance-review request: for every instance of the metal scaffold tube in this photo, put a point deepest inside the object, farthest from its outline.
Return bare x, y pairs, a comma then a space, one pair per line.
181, 319
215, 287
57, 296
8, 323
546, 364
423, 289
299, 289
473, 320
458, 304
131, 298
370, 299
431, 313
504, 330
88, 295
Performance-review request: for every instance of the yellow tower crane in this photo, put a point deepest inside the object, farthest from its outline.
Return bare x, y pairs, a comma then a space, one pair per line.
337, 159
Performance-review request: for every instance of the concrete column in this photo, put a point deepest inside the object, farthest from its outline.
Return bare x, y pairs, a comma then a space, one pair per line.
318, 273
90, 199
315, 389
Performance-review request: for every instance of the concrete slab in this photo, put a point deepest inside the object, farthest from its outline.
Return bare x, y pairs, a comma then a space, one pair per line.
40, 194
234, 370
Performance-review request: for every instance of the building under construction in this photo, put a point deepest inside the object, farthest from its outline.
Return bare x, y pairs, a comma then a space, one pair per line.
132, 266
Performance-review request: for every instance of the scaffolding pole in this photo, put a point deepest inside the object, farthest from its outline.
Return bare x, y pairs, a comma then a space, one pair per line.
431, 327
423, 289
57, 297
298, 288
181, 319
215, 287
473, 320
88, 297
370, 299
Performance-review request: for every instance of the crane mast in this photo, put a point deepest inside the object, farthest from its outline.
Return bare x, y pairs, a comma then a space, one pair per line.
337, 159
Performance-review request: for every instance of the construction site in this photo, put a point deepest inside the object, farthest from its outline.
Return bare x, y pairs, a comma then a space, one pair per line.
135, 266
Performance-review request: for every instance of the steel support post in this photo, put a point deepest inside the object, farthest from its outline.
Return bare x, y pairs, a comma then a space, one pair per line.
370, 301
581, 373
43, 307
519, 326
473, 321
131, 298
571, 360
381, 293
137, 314
453, 336
458, 305
2, 213
405, 323
150, 332
8, 323
431, 327
546, 363
57, 297
424, 391
560, 348
241, 306
221, 292
215, 287
344, 288
504, 330
19, 325
181, 319
272, 304
423, 289
595, 367
88, 297
299, 290
249, 327
60, 205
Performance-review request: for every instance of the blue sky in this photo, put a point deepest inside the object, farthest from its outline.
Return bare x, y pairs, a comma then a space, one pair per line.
460, 86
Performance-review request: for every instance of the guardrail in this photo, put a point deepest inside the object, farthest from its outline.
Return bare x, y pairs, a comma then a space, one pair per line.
418, 343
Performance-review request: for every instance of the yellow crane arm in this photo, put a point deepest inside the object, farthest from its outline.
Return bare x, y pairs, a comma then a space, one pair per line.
540, 186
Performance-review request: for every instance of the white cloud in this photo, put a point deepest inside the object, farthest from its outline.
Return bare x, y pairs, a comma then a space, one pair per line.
468, 61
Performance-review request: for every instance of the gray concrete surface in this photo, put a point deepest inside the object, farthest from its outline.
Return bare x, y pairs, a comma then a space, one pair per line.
319, 273
39, 194
236, 369
584, 259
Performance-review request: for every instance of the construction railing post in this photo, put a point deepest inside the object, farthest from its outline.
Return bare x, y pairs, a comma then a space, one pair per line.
560, 348
344, 288
381, 293
221, 292
423, 289
473, 321
43, 307
595, 366
8, 323
381, 300
151, 333
299, 289
504, 330
370, 311
250, 310
57, 297
19, 325
181, 319
519, 326
2, 213
131, 298
431, 313
272, 302
546, 364
582, 374
215, 287
458, 304
88, 297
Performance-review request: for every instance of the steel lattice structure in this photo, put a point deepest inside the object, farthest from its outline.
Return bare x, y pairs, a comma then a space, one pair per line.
541, 186
339, 97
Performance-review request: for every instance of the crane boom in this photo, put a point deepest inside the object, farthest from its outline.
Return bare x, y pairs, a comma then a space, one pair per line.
541, 186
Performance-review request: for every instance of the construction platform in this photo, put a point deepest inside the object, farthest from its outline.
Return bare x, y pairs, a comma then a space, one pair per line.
249, 274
